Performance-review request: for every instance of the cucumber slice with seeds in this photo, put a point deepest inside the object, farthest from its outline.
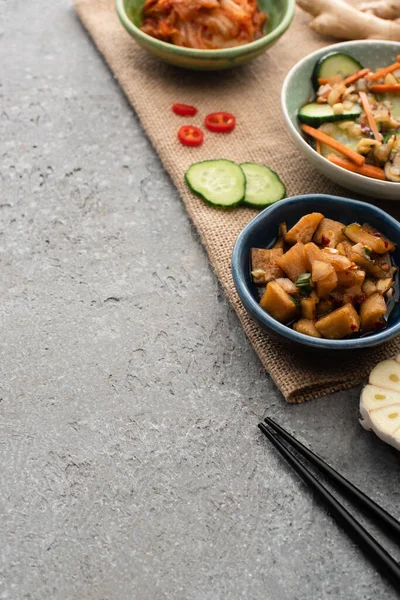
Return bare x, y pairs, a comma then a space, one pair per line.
263, 186
394, 100
342, 136
219, 182
315, 114
335, 63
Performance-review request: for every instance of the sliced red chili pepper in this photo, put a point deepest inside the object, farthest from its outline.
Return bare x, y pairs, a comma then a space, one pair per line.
189, 135
220, 122
325, 240
184, 110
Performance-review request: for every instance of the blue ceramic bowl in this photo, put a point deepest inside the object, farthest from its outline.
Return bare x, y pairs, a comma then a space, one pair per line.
261, 232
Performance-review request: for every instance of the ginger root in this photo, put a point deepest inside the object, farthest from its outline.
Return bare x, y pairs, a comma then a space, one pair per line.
338, 19
385, 9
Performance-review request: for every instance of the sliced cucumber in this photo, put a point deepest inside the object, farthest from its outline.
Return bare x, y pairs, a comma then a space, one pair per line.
315, 114
341, 136
332, 64
219, 182
395, 100
263, 186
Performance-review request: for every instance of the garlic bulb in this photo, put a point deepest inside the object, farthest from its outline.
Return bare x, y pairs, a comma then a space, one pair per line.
380, 402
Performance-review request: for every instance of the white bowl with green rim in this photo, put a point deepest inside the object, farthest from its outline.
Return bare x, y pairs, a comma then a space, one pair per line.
296, 92
280, 15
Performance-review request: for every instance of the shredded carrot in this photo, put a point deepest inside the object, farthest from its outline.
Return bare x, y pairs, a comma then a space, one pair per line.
318, 146
381, 88
332, 143
381, 73
352, 78
370, 116
332, 80
367, 170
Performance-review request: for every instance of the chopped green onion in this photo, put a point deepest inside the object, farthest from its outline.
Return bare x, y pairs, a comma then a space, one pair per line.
295, 300
304, 280
368, 251
304, 283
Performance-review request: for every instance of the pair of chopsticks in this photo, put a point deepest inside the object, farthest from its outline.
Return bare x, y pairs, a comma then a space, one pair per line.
383, 561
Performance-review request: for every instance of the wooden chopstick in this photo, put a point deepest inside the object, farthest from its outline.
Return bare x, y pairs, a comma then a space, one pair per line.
382, 518
377, 554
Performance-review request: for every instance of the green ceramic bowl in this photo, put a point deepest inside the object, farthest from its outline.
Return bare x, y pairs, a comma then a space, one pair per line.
296, 91
280, 14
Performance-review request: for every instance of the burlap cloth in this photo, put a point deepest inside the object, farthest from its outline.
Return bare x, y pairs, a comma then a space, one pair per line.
252, 93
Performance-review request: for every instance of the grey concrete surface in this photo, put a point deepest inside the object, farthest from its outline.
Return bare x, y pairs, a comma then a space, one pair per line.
131, 464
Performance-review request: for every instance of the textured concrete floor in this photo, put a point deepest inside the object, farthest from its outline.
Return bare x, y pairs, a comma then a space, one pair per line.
131, 465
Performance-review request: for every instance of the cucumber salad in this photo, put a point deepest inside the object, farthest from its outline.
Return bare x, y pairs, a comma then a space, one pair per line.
353, 119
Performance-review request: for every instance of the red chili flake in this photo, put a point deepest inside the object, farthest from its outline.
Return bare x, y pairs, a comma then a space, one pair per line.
360, 298
325, 241
386, 243
353, 327
376, 234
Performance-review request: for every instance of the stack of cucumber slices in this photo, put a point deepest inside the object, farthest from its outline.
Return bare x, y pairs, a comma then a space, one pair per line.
226, 184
